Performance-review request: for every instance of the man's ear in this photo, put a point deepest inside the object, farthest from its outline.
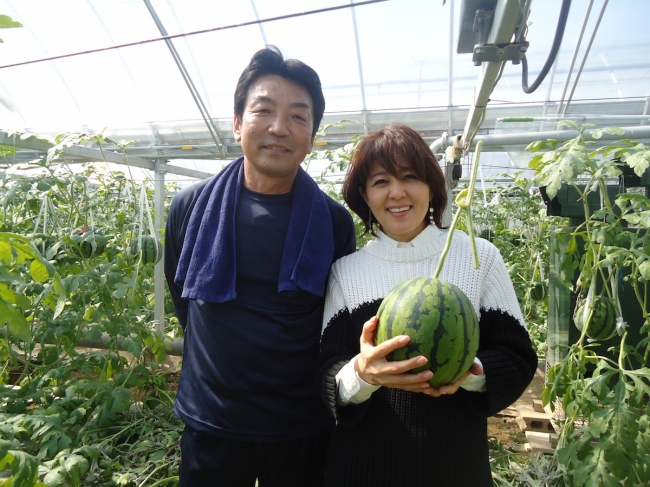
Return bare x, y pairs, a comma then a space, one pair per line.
311, 143
236, 129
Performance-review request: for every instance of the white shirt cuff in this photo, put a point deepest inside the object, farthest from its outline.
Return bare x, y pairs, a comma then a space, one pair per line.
352, 389
475, 383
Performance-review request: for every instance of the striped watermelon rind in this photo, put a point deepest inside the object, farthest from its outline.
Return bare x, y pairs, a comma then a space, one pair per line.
602, 324
441, 322
89, 241
147, 250
538, 291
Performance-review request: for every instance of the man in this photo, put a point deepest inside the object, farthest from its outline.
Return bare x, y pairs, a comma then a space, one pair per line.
247, 256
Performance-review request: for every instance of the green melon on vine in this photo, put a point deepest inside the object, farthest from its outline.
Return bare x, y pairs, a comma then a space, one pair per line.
146, 249
537, 292
601, 325
89, 241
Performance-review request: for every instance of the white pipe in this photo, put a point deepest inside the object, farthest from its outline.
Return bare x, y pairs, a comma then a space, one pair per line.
636, 132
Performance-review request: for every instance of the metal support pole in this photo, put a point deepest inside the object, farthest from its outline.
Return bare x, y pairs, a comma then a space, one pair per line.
450, 76
360, 67
158, 272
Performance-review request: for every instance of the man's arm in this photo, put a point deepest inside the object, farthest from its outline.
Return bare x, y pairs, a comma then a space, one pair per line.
173, 248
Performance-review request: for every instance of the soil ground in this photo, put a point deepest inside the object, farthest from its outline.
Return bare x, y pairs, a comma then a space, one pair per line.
504, 426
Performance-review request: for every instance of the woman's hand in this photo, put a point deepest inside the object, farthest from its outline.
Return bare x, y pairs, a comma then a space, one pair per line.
372, 366
475, 369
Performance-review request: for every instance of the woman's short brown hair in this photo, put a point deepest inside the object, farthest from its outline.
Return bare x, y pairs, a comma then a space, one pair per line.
388, 148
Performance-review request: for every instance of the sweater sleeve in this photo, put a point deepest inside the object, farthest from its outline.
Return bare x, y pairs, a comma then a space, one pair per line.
339, 344
505, 349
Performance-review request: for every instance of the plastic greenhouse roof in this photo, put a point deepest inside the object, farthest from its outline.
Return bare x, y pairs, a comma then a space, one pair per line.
382, 61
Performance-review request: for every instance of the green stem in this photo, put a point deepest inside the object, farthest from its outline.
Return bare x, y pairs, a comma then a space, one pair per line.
462, 206
621, 354
162, 481
445, 251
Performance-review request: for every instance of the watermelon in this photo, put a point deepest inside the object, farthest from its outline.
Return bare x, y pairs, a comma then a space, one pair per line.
442, 324
90, 241
602, 324
538, 291
147, 249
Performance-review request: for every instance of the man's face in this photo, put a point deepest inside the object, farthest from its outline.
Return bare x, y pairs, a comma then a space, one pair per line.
275, 130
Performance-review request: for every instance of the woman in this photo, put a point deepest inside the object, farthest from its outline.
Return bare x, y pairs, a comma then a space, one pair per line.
393, 429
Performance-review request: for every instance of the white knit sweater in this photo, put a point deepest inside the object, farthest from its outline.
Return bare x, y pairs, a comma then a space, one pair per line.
372, 272
433, 441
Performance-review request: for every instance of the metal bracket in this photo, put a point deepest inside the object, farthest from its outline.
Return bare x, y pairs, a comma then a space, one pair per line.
482, 25
499, 52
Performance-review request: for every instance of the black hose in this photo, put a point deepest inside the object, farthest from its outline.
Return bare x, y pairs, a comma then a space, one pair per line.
559, 34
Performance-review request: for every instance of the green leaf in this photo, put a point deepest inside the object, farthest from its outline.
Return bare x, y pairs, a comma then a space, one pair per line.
640, 218
615, 130
6, 252
132, 347
5, 446
596, 133
60, 304
56, 477
76, 466
89, 451
24, 469
644, 270
7, 22
38, 271
22, 249
638, 161
120, 398
17, 323
157, 455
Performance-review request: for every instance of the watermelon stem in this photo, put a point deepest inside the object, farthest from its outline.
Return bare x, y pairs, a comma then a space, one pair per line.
621, 353
464, 202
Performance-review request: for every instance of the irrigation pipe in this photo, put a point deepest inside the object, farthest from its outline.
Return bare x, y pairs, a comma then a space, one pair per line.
175, 345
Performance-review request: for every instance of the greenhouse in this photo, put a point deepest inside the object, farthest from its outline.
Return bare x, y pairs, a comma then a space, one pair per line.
538, 113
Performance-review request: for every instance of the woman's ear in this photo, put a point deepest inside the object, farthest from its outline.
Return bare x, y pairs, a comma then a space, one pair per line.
363, 195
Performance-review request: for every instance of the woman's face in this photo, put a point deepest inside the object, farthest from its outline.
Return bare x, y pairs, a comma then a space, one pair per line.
400, 204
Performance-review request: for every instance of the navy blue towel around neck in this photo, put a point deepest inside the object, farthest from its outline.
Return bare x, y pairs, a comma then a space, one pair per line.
207, 269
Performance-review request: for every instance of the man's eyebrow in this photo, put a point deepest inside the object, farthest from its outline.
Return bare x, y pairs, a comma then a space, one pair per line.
265, 99
268, 99
301, 105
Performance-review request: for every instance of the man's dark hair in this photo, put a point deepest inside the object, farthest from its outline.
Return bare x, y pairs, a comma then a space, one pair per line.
270, 61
